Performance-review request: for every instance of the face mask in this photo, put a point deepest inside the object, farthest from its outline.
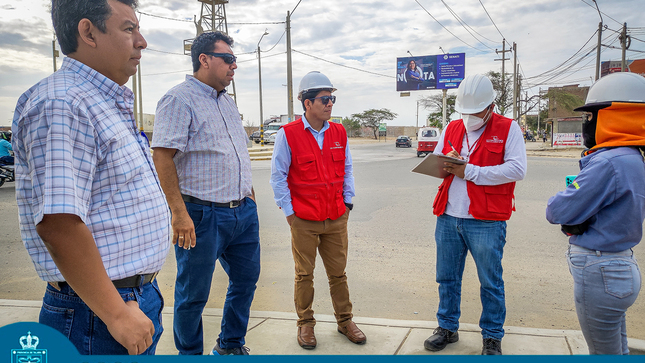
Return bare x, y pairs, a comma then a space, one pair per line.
473, 123
589, 130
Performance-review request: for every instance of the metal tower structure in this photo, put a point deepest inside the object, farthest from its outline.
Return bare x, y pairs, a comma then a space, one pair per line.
212, 18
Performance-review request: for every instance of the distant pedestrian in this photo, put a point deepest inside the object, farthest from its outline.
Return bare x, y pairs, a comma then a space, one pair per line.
603, 211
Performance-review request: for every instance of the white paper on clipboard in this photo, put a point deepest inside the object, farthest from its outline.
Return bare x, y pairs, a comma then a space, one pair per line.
433, 165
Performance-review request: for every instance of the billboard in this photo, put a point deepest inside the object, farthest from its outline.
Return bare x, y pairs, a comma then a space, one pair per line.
430, 72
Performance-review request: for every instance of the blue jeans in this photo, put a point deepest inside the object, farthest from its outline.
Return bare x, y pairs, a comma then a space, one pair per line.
605, 285
485, 240
64, 311
231, 235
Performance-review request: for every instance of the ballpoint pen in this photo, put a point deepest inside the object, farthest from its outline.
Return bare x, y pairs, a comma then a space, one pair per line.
453, 148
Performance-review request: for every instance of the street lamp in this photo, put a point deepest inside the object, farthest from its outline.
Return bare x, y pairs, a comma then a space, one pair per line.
260, 81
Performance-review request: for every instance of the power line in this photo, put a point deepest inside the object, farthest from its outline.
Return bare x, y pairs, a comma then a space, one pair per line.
182, 54
163, 51
190, 21
295, 7
466, 26
491, 20
342, 65
158, 74
593, 7
276, 43
263, 57
164, 17
479, 50
563, 63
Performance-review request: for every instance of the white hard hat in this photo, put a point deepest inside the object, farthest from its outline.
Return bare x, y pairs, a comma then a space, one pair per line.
616, 87
314, 80
474, 94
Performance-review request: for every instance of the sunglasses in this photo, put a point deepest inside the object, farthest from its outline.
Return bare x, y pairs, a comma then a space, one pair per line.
325, 99
227, 57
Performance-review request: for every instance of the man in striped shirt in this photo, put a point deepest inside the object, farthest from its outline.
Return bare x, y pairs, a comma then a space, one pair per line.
93, 216
201, 156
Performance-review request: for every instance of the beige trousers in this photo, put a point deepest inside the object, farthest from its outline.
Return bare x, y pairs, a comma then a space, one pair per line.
330, 239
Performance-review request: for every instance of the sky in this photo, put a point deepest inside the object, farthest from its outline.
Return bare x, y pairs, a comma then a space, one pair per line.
354, 42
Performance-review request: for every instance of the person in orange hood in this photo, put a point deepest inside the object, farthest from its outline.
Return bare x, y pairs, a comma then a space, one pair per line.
603, 211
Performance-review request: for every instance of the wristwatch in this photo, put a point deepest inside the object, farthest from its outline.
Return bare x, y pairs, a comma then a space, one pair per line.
350, 206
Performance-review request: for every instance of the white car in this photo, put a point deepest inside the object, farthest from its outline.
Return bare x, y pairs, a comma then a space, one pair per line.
269, 136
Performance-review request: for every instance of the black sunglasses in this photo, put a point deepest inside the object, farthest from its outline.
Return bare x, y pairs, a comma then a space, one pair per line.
227, 57
325, 99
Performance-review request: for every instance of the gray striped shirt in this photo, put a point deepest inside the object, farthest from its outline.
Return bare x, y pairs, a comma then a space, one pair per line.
205, 128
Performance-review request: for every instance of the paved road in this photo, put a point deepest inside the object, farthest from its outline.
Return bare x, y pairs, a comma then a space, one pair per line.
391, 257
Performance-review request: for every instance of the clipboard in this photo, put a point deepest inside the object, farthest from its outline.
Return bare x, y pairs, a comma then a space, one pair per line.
433, 165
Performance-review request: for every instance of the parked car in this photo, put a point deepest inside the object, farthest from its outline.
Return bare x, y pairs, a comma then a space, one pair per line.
269, 136
428, 139
255, 136
403, 141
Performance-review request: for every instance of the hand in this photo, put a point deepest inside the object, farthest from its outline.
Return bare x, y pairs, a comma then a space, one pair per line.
291, 218
458, 170
183, 230
454, 154
132, 329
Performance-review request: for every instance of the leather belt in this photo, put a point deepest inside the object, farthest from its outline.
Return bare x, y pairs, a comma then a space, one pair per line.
231, 204
128, 282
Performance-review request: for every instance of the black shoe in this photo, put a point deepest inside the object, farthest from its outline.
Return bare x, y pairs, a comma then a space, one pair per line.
217, 350
440, 338
492, 347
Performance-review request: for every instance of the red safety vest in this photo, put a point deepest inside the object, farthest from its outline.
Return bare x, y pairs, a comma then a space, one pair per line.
316, 176
487, 202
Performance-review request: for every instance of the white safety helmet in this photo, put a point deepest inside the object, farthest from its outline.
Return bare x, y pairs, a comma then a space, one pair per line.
314, 80
474, 94
616, 87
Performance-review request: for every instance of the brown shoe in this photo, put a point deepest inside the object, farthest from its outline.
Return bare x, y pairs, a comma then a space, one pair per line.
352, 333
306, 337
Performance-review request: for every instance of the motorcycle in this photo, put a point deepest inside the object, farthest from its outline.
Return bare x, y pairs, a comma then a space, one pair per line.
6, 173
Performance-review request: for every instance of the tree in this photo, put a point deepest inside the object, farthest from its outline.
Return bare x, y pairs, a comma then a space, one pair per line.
372, 118
351, 126
434, 103
504, 96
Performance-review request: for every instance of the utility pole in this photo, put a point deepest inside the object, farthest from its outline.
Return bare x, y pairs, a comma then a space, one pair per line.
515, 90
289, 71
54, 53
623, 43
417, 129
445, 95
598, 51
503, 59
140, 97
260, 86
136, 108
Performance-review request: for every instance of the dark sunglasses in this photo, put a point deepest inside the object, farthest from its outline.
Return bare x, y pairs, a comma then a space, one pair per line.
325, 99
227, 57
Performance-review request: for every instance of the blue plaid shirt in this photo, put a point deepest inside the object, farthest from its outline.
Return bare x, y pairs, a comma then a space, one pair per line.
205, 128
78, 151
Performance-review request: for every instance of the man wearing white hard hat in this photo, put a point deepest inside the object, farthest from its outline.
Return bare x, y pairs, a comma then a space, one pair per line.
603, 211
472, 207
313, 183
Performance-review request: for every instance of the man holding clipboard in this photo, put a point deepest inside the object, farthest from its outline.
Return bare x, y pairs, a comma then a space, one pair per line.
472, 206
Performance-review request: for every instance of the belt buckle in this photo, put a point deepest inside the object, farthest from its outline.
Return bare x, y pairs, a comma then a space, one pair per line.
234, 204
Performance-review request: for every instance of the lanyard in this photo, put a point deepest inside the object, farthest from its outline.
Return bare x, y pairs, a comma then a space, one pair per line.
470, 148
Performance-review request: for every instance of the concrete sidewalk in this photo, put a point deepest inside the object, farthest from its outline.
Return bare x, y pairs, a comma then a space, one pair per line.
273, 333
